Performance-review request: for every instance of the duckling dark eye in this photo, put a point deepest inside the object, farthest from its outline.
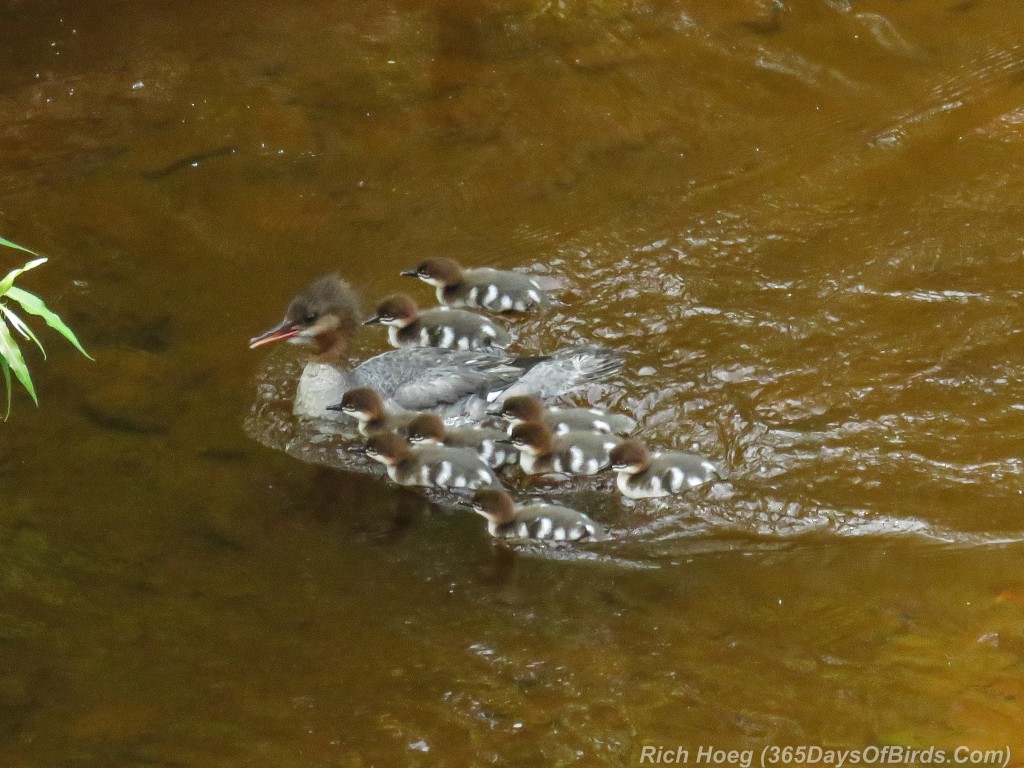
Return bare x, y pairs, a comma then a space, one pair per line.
310, 318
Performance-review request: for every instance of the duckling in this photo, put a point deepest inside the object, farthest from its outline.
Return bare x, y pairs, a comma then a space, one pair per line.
441, 327
458, 384
550, 522
482, 288
645, 475
432, 466
573, 453
427, 428
366, 406
520, 409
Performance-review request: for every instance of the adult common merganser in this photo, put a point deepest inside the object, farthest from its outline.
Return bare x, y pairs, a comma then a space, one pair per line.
644, 475
482, 287
408, 326
550, 522
458, 385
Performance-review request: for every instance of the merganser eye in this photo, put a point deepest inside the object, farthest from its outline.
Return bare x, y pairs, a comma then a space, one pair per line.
310, 318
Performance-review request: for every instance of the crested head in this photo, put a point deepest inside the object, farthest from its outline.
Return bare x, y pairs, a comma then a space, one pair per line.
522, 408
362, 401
534, 437
427, 427
398, 310
324, 316
387, 448
629, 456
495, 505
437, 271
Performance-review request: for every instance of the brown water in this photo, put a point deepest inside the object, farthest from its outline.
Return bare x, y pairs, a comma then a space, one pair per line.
801, 222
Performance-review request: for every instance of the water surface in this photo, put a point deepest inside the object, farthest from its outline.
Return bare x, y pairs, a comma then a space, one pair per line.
799, 222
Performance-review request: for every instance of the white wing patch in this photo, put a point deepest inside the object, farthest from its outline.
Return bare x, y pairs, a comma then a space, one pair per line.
490, 295
444, 474
577, 460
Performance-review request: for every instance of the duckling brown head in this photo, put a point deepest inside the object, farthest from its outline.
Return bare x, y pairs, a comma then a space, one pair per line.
438, 271
534, 437
324, 316
388, 448
522, 408
495, 505
426, 428
630, 456
362, 403
397, 310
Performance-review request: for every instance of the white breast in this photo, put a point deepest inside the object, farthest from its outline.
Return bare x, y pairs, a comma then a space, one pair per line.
319, 386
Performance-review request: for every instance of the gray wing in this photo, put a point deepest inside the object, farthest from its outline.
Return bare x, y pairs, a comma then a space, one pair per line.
565, 370
419, 378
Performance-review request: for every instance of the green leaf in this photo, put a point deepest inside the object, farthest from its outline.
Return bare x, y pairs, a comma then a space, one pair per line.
10, 352
7, 380
35, 306
19, 325
9, 244
8, 281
